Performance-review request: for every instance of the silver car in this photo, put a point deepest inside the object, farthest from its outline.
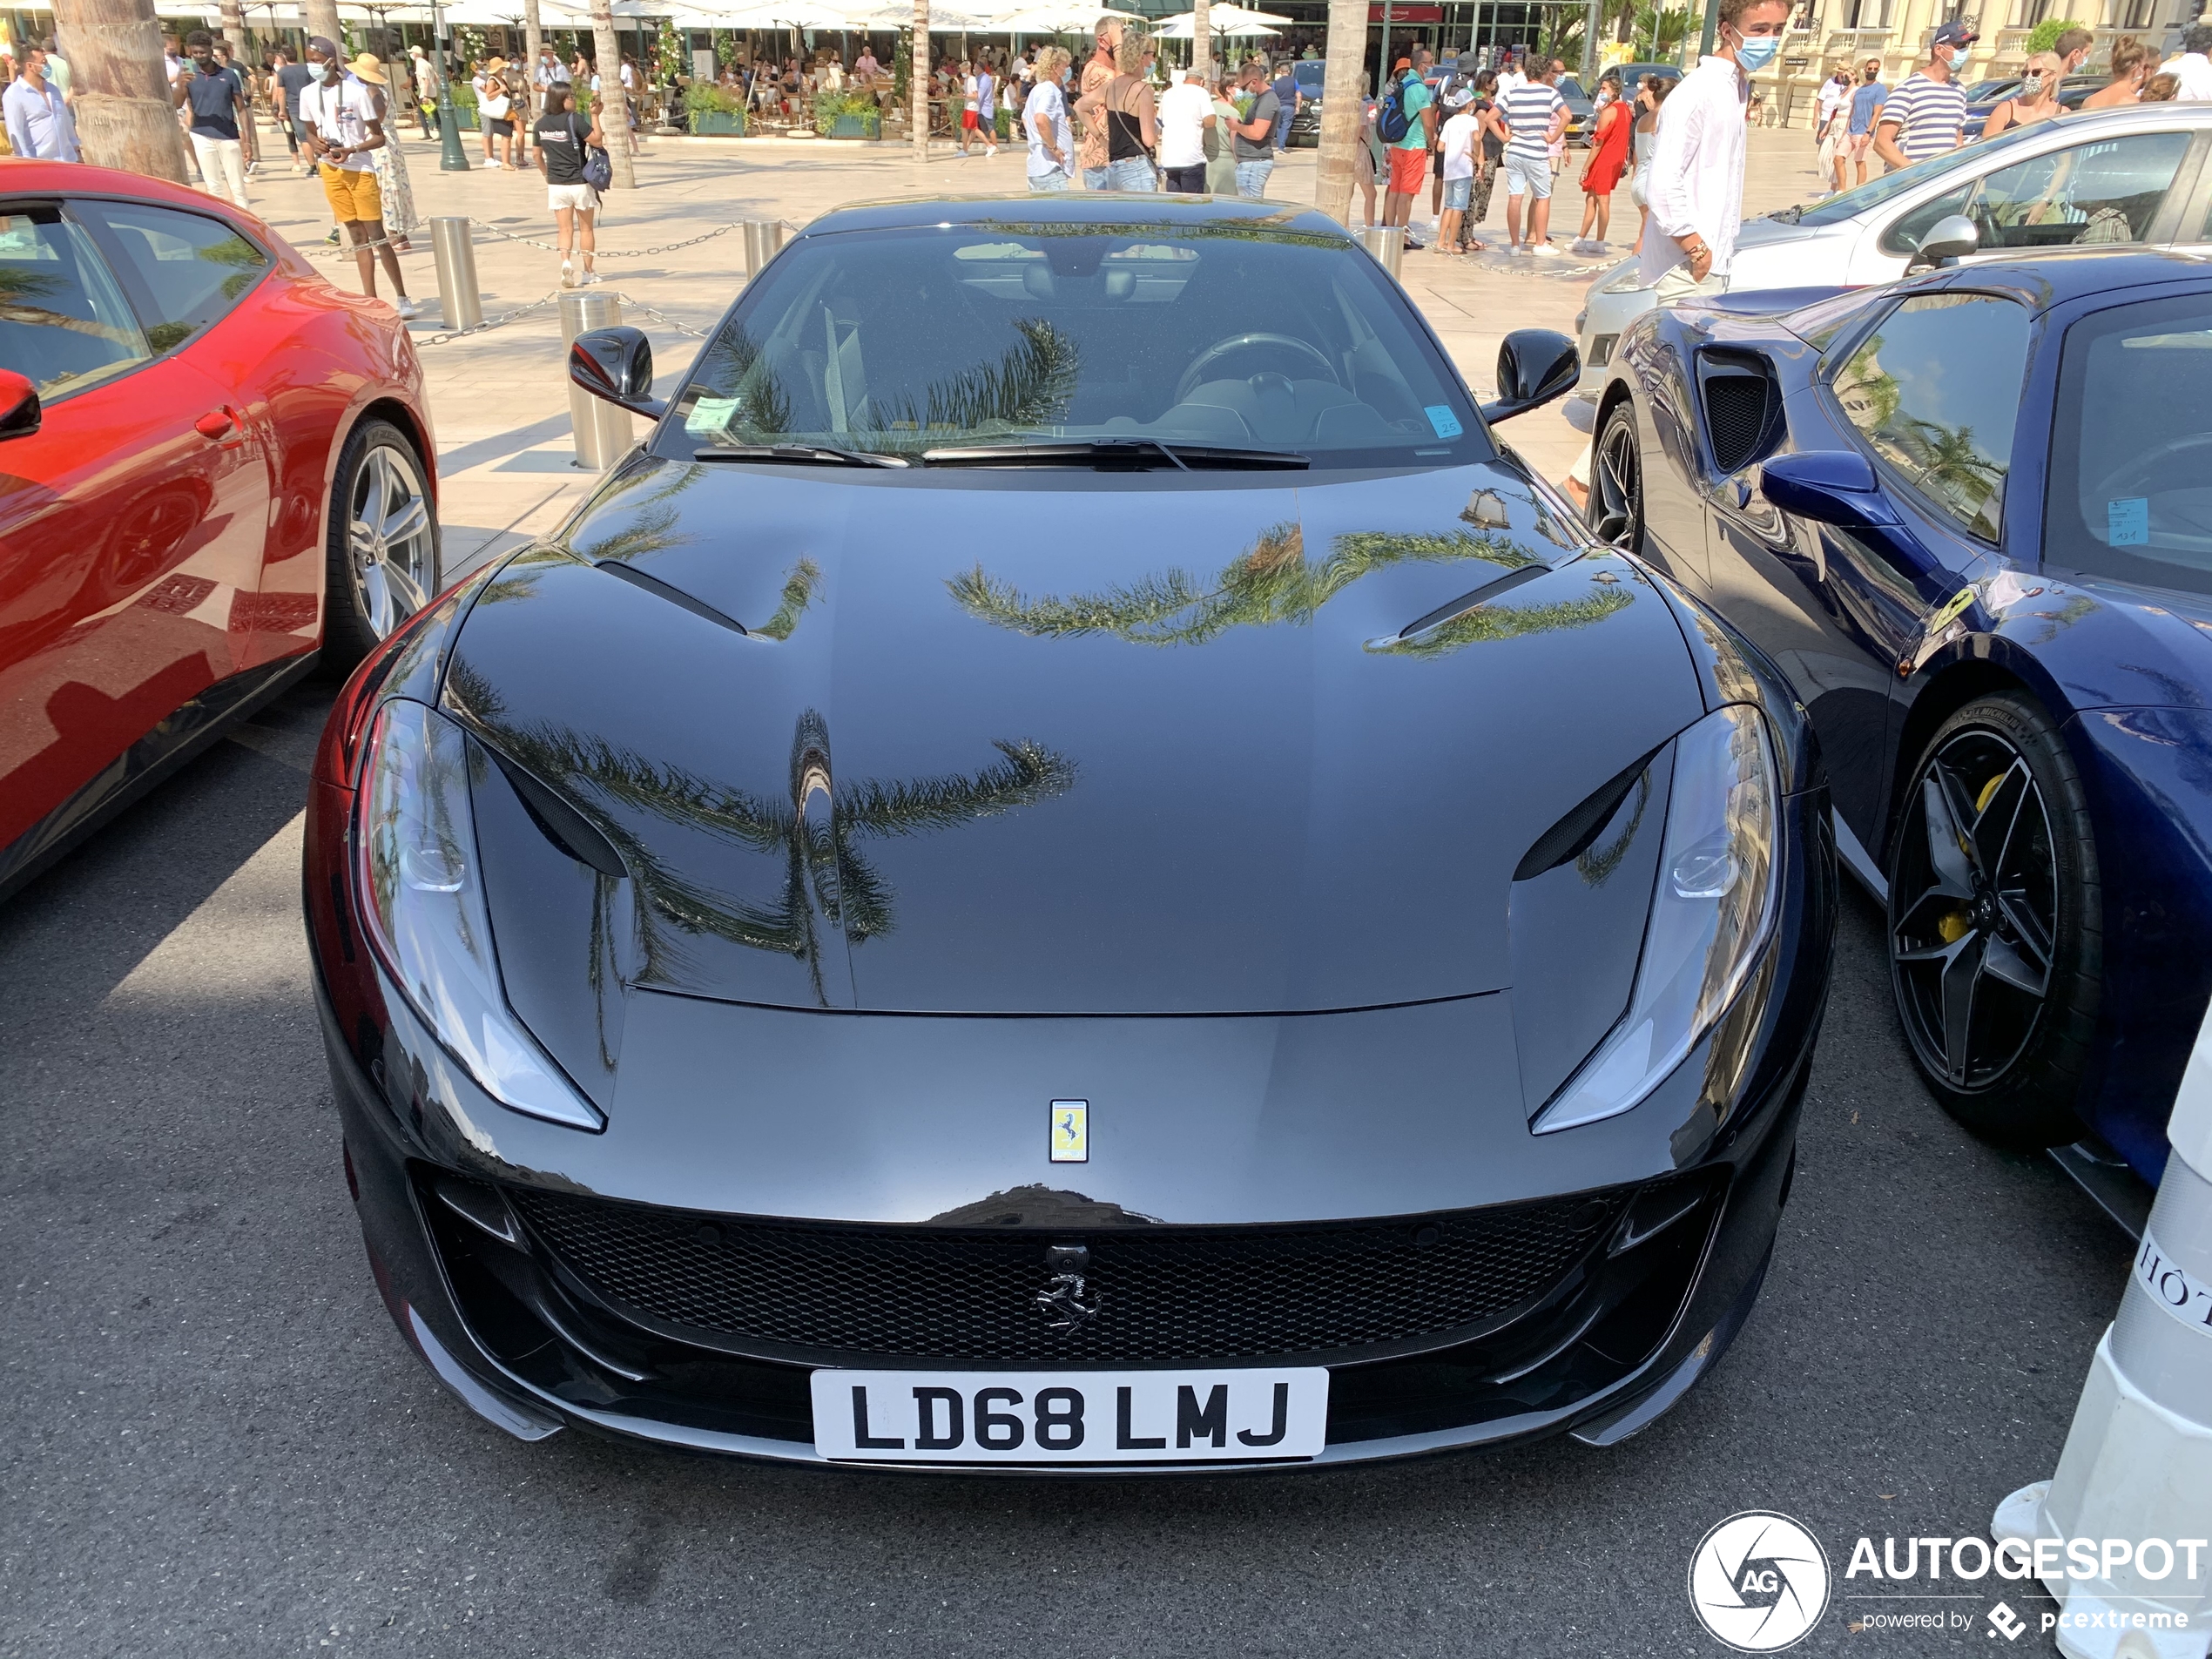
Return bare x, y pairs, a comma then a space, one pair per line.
2130, 174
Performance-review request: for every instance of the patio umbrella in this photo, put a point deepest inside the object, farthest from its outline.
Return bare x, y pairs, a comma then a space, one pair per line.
1060, 19
1182, 28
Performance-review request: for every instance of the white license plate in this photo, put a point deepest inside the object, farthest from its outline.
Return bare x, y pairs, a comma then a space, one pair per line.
1070, 1417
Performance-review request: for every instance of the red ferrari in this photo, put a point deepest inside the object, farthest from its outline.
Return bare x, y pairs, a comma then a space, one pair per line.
215, 470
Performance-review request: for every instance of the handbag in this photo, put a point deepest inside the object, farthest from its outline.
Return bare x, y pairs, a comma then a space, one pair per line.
598, 165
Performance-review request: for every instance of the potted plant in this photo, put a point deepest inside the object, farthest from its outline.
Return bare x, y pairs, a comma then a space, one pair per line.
848, 115
464, 105
714, 109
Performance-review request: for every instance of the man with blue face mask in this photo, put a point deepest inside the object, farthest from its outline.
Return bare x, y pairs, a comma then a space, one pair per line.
1696, 179
1927, 113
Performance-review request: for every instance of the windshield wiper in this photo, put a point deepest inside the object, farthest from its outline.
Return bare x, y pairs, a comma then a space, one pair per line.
1130, 452
804, 455
1791, 214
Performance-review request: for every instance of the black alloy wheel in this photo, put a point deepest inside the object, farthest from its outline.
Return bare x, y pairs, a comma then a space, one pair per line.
1996, 935
382, 559
1615, 510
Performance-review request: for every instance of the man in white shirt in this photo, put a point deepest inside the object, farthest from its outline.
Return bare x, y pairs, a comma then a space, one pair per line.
1510, 76
1185, 112
2193, 68
340, 116
1697, 178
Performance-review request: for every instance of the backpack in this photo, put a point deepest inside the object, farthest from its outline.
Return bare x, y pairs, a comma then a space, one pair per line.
598, 168
1391, 122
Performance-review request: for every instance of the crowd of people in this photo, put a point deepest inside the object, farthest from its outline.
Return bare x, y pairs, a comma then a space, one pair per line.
1859, 119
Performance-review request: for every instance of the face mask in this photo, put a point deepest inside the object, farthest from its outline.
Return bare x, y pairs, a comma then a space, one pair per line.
1757, 51
2032, 85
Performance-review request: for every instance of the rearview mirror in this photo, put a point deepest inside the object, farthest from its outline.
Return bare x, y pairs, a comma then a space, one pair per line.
1950, 239
1535, 367
1828, 486
617, 364
19, 411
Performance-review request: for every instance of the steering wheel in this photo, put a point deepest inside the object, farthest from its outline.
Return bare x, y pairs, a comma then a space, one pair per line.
2145, 468
1195, 376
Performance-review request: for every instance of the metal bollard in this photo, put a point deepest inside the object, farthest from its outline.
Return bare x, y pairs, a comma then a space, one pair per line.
604, 432
763, 237
1387, 243
463, 308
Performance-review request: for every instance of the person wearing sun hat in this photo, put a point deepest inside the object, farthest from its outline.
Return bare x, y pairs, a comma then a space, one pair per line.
495, 113
344, 131
390, 161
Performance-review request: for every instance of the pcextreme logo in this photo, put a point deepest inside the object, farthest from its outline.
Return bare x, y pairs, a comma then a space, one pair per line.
1758, 1582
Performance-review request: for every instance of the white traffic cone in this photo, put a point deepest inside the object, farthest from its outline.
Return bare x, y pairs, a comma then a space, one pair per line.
2137, 1465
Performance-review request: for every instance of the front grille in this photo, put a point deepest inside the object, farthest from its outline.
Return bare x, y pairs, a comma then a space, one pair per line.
1164, 1294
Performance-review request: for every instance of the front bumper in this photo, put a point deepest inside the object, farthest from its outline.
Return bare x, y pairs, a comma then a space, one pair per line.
533, 1341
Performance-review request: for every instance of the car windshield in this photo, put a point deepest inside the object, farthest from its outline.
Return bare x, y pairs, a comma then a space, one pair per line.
1569, 87
1851, 203
2130, 495
1310, 75
1220, 333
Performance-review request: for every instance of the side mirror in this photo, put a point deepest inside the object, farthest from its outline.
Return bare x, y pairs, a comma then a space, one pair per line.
1949, 240
19, 411
1828, 486
1535, 367
617, 364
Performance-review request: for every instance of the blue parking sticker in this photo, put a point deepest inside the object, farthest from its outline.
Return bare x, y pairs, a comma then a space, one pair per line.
2128, 521
1446, 422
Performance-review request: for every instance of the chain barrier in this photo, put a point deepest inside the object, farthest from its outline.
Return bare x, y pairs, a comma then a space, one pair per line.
490, 323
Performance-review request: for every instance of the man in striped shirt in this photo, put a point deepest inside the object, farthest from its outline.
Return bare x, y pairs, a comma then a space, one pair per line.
1535, 114
1926, 116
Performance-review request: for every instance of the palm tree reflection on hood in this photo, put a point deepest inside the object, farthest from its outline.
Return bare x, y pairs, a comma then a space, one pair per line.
814, 829
1273, 582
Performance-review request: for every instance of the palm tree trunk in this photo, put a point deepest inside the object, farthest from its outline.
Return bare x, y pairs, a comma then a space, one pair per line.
120, 87
533, 43
614, 104
918, 81
322, 19
1201, 36
1343, 132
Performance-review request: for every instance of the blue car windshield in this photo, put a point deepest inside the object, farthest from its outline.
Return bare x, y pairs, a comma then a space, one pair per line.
1224, 333
1851, 203
2130, 496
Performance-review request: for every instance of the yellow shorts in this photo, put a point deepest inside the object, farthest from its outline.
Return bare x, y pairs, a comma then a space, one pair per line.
353, 195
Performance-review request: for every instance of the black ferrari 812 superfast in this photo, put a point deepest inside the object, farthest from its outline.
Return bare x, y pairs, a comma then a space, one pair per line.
1070, 867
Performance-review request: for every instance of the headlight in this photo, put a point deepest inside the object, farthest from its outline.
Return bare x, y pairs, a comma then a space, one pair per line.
426, 914
1710, 917
1627, 279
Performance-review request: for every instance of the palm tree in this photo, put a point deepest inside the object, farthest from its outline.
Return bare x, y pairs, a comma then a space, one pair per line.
1273, 582
1343, 123
918, 82
614, 103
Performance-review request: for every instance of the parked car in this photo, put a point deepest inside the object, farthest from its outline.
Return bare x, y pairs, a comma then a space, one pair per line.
213, 462
1328, 977
2132, 174
1305, 127
1967, 515
1581, 108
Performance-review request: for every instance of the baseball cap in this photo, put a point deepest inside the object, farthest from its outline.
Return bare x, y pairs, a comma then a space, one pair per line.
1957, 33
1467, 64
323, 44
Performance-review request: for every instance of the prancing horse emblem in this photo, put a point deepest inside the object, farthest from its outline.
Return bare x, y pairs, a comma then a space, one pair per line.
1062, 1301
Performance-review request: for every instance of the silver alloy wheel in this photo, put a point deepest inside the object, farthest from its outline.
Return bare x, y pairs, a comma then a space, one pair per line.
1616, 486
391, 547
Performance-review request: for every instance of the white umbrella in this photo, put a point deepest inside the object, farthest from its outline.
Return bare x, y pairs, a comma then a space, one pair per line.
1182, 28
1059, 19
789, 14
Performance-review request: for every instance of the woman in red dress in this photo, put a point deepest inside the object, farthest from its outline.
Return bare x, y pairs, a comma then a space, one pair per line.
1608, 159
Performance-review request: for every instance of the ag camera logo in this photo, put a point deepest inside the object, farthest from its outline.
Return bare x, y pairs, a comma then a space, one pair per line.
1758, 1582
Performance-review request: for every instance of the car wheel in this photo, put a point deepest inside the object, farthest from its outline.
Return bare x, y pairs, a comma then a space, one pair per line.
1996, 932
1615, 510
383, 560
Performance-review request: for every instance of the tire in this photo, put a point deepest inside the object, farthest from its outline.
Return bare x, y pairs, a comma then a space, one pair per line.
1996, 930
1615, 507
382, 560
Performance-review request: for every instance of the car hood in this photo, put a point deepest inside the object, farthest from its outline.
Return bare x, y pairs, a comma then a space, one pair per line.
1068, 743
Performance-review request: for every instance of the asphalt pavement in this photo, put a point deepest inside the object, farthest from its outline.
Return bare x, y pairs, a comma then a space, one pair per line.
212, 1442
